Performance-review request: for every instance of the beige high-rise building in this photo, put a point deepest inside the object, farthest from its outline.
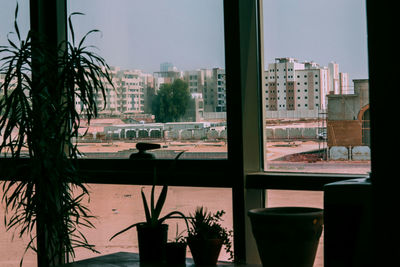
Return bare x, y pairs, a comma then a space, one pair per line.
128, 95
294, 89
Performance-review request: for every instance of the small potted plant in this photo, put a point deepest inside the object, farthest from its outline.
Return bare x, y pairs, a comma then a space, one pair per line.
152, 234
176, 249
206, 236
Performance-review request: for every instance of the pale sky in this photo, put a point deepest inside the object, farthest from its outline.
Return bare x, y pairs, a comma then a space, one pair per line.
142, 34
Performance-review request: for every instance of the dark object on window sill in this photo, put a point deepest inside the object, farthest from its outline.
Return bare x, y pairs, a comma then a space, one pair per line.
287, 236
143, 147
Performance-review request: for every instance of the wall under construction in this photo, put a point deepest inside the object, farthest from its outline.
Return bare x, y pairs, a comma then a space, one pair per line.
344, 133
346, 115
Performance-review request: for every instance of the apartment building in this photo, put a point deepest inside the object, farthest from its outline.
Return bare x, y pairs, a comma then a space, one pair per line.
211, 84
128, 95
109, 105
220, 76
195, 80
296, 89
338, 81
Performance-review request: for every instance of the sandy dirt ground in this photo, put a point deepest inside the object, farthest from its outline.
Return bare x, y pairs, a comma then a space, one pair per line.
117, 206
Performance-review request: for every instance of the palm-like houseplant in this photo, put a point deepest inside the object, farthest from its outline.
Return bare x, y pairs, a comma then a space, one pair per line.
39, 120
152, 233
206, 236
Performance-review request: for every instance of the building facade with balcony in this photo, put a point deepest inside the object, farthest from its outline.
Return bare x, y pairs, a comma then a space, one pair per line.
296, 89
129, 95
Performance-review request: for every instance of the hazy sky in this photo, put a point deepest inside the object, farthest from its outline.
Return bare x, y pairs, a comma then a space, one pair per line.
189, 33
318, 30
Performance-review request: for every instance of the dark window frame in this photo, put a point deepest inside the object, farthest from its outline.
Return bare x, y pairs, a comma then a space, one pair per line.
230, 172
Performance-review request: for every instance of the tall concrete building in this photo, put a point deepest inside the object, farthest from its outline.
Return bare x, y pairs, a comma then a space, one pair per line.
167, 66
128, 95
195, 80
211, 84
294, 89
220, 76
131, 93
338, 81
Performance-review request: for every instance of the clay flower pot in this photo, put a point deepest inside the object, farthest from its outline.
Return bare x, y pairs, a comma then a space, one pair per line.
152, 242
287, 236
205, 251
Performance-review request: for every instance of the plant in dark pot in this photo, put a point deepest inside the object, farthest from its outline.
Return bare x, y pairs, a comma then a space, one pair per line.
152, 234
176, 249
287, 236
42, 82
206, 236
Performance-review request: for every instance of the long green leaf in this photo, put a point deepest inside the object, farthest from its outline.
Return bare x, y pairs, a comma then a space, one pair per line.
124, 230
146, 207
160, 202
170, 216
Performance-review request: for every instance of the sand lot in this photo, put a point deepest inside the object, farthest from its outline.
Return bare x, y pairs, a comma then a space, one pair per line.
117, 206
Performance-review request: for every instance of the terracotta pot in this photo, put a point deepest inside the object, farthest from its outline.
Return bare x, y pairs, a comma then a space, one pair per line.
152, 242
287, 236
205, 252
176, 253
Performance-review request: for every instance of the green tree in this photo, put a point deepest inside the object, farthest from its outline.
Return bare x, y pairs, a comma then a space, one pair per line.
171, 101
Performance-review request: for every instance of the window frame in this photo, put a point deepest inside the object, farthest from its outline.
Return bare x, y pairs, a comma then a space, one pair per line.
243, 169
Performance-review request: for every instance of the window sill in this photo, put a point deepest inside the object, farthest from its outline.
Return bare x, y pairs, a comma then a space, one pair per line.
295, 181
132, 259
199, 173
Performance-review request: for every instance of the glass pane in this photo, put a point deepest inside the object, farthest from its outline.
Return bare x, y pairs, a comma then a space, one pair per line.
11, 246
8, 32
118, 206
7, 15
292, 198
155, 47
315, 86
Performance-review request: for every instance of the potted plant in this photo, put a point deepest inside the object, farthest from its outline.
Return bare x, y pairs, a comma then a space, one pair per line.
176, 249
152, 234
287, 236
206, 236
39, 121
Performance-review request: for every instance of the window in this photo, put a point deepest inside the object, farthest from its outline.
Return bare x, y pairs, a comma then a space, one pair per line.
11, 246
141, 57
229, 177
324, 108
